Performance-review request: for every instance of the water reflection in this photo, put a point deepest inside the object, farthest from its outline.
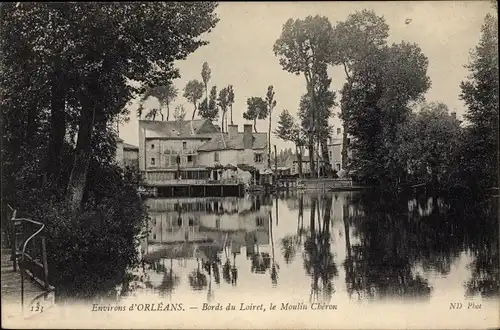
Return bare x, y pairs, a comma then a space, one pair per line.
319, 247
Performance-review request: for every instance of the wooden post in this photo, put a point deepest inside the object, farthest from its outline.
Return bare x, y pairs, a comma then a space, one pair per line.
275, 160
14, 245
45, 264
13, 227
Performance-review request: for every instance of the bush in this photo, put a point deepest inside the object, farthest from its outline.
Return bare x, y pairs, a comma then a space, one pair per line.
89, 253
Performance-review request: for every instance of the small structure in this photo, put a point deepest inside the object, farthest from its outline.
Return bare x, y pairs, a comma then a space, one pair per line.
127, 155
267, 179
283, 171
335, 145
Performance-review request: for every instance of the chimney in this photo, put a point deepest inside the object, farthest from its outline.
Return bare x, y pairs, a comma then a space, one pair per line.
247, 136
454, 115
233, 131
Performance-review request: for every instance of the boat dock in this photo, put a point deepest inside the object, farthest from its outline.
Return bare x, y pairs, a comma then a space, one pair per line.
182, 188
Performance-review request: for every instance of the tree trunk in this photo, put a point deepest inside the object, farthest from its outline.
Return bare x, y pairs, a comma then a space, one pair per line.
312, 168
231, 108
311, 131
326, 157
299, 159
255, 125
57, 121
78, 177
269, 144
194, 111
168, 110
344, 152
344, 146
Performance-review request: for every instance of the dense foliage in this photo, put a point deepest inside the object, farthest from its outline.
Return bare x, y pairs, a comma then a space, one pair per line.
209, 110
480, 94
390, 142
65, 77
305, 47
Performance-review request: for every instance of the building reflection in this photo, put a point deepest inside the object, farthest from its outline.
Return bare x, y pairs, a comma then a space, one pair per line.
211, 231
384, 247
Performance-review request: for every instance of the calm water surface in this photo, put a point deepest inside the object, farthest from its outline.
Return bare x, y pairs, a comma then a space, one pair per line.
325, 248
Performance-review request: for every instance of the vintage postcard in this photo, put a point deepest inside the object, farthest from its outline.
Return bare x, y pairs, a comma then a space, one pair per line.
274, 165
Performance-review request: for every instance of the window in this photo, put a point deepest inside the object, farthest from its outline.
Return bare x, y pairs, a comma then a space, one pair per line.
330, 154
190, 158
216, 156
153, 161
338, 131
184, 145
338, 167
258, 158
259, 222
348, 141
152, 146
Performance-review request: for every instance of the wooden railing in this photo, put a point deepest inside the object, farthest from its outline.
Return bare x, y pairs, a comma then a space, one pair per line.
28, 245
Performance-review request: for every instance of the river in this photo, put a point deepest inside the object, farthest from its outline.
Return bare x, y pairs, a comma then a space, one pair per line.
304, 260
328, 249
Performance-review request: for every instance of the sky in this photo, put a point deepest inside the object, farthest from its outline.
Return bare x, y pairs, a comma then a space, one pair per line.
240, 52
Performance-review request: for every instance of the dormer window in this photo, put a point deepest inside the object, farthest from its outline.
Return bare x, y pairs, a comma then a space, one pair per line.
338, 131
184, 145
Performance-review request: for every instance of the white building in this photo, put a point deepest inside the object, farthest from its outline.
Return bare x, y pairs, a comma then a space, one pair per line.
193, 147
335, 145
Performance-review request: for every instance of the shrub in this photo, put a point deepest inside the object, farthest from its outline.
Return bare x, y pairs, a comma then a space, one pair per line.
89, 253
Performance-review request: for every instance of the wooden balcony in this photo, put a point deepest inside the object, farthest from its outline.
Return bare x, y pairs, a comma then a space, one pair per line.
174, 177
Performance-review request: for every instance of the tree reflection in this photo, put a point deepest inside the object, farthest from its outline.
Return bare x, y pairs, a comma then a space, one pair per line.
275, 267
197, 280
483, 233
318, 257
290, 244
169, 281
381, 265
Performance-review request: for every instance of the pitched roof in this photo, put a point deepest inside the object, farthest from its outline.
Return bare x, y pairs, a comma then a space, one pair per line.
222, 141
183, 128
127, 146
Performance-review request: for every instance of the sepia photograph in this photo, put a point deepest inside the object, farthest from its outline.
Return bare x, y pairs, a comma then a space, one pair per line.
250, 165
